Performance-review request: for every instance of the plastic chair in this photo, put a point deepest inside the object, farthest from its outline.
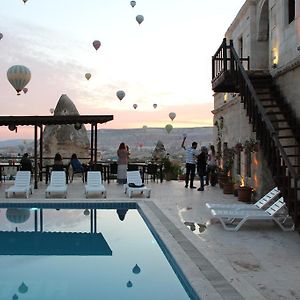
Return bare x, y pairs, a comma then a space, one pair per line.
57, 184
229, 217
21, 184
135, 185
94, 184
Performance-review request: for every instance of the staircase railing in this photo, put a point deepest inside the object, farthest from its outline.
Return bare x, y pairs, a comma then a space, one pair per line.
285, 176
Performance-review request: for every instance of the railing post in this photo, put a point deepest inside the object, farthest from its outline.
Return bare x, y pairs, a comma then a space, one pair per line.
231, 57
224, 54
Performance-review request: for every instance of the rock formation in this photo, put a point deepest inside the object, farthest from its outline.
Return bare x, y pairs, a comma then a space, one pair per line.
159, 152
65, 139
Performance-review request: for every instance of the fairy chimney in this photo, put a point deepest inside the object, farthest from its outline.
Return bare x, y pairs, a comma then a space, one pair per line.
65, 139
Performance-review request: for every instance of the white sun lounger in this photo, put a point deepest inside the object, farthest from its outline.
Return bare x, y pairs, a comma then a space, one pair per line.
134, 178
57, 184
262, 202
94, 184
228, 218
21, 184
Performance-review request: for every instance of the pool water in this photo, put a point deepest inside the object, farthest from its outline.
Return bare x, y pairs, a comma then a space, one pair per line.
120, 260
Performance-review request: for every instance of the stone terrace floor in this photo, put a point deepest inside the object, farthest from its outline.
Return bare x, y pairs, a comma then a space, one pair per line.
260, 261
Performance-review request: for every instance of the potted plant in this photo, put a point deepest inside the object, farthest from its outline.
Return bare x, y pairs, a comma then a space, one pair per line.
244, 192
228, 186
171, 169
224, 173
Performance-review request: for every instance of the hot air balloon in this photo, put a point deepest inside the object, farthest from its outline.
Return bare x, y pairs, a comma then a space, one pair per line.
88, 76
23, 288
154, 105
17, 215
18, 76
172, 115
132, 3
25, 90
1, 36
15, 297
136, 269
77, 126
139, 19
25, 1
51, 111
129, 284
168, 128
134, 106
120, 95
96, 44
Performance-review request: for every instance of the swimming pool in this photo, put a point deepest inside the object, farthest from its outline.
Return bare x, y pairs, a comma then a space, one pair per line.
84, 251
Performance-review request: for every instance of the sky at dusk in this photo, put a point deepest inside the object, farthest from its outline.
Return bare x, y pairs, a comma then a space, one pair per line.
166, 60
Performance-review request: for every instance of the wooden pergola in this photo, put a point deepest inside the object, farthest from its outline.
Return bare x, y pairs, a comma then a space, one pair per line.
40, 121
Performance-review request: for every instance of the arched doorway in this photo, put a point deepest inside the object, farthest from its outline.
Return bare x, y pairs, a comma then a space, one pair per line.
263, 36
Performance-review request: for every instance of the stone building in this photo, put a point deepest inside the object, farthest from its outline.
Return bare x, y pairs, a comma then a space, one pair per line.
255, 78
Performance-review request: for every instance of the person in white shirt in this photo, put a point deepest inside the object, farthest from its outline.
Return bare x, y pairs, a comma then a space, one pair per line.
190, 163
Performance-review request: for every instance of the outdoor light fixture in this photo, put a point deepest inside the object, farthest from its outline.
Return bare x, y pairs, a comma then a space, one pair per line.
78, 126
275, 57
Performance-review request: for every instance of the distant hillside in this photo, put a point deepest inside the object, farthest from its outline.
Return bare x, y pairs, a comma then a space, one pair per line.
141, 141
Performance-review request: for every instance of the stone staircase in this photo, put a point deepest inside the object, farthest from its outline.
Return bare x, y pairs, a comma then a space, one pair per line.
272, 118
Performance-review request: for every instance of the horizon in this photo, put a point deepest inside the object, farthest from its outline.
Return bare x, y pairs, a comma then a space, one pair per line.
28, 130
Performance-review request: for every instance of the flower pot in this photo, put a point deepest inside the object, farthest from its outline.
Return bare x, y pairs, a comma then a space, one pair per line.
244, 194
222, 179
227, 188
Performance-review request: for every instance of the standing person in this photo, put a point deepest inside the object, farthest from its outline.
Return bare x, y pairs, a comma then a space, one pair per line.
211, 164
123, 155
26, 164
201, 167
190, 163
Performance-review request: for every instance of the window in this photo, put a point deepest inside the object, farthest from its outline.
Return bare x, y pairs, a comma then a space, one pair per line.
291, 11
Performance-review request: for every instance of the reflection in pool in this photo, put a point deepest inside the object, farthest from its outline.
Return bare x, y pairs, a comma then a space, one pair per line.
83, 254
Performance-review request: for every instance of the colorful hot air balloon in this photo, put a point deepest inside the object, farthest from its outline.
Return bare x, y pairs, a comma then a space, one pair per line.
18, 76
1, 36
139, 19
96, 44
132, 3
154, 105
120, 94
135, 106
172, 115
168, 128
88, 76
25, 90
